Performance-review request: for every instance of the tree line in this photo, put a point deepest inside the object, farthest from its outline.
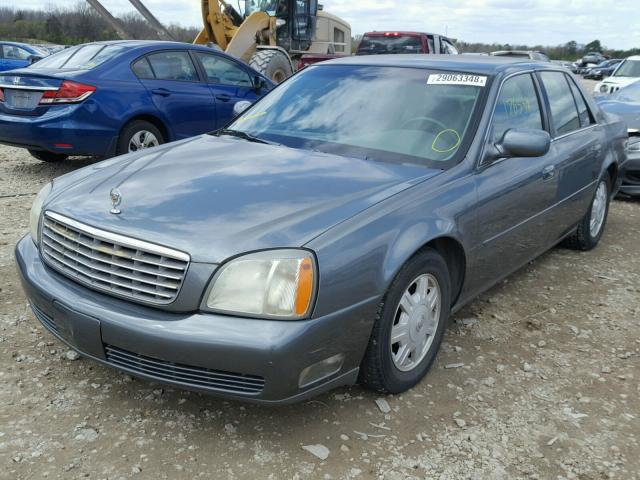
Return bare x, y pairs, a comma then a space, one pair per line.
77, 24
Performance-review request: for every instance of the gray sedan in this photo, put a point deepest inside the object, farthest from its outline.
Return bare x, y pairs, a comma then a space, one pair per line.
325, 236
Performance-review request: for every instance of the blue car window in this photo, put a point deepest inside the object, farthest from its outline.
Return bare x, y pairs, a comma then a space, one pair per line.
517, 107
564, 112
142, 69
11, 52
223, 71
173, 65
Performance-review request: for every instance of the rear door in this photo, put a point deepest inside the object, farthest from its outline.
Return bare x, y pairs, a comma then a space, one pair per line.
514, 194
178, 92
229, 83
577, 146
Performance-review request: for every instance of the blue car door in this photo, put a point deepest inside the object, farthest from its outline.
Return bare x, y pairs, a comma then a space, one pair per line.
13, 57
515, 195
229, 82
183, 99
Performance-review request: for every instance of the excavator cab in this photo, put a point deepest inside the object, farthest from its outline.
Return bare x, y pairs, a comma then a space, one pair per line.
295, 20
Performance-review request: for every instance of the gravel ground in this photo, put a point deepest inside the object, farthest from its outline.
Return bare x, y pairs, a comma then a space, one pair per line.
536, 379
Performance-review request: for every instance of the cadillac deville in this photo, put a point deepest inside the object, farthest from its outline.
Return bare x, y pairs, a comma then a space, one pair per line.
326, 235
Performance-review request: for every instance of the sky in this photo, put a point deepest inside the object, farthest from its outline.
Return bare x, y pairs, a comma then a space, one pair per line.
545, 22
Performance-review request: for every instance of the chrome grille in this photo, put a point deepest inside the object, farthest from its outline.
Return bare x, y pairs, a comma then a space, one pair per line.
112, 263
190, 376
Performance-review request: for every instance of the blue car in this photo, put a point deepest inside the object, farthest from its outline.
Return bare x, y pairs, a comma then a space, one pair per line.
109, 98
18, 55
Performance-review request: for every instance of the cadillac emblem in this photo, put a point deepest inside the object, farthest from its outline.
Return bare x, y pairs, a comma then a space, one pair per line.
116, 200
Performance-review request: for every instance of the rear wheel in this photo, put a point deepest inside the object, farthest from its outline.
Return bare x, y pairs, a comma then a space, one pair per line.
410, 325
273, 64
589, 232
138, 135
44, 156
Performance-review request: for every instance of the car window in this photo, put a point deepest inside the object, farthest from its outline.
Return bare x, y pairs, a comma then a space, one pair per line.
418, 116
448, 48
628, 68
142, 69
85, 57
517, 107
564, 113
173, 66
583, 110
11, 52
223, 71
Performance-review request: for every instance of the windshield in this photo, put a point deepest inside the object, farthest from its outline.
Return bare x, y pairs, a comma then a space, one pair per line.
378, 113
629, 94
84, 57
268, 6
373, 45
628, 68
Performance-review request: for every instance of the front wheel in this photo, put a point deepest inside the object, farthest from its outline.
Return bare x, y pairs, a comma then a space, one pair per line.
590, 230
273, 64
410, 325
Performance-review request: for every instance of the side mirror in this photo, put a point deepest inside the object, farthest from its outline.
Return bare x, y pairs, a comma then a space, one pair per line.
240, 107
33, 59
521, 143
258, 84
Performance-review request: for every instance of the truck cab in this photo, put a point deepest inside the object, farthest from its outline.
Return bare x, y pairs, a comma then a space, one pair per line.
379, 43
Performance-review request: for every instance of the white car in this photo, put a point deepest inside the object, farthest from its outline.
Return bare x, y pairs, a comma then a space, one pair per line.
627, 73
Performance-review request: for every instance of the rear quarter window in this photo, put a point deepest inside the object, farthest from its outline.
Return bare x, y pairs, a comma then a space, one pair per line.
564, 112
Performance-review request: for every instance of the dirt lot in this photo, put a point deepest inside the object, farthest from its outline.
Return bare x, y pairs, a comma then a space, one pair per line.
537, 379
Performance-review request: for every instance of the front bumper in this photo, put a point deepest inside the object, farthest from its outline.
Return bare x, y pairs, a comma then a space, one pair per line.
241, 358
631, 175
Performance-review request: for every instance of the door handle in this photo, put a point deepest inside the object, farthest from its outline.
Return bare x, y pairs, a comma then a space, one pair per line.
548, 172
223, 97
163, 92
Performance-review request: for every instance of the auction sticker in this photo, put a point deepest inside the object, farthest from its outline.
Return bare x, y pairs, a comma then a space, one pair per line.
457, 79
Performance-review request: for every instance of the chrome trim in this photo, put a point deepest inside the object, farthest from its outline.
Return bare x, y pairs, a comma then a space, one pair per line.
25, 87
580, 130
120, 239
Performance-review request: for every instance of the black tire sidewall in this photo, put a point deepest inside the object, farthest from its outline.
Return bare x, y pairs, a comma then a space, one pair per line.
131, 129
429, 261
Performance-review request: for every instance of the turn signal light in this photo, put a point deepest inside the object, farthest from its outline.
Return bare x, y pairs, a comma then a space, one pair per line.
69, 92
305, 287
1, 95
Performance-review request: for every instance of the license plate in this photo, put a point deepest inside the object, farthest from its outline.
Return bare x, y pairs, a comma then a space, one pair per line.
22, 99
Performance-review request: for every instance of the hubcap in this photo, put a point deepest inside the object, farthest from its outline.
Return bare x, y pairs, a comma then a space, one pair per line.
141, 140
598, 210
416, 321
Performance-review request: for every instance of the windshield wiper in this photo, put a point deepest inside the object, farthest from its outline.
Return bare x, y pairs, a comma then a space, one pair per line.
244, 135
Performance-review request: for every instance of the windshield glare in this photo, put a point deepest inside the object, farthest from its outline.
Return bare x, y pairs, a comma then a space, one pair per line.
268, 6
378, 113
628, 68
84, 57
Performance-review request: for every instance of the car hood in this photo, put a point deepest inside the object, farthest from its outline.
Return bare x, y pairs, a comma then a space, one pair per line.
620, 81
215, 197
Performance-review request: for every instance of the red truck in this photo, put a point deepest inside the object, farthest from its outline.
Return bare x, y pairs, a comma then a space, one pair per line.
378, 43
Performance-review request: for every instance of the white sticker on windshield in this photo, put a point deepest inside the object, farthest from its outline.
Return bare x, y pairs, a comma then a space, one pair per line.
457, 79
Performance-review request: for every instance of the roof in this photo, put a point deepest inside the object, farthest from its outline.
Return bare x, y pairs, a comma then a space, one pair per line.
486, 65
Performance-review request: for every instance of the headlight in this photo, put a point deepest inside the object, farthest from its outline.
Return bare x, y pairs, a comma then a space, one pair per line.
277, 284
603, 89
36, 210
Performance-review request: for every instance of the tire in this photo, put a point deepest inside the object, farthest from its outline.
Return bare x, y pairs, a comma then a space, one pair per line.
381, 369
585, 237
49, 157
146, 133
273, 64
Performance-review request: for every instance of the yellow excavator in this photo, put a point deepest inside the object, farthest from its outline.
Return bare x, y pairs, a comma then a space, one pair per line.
269, 35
